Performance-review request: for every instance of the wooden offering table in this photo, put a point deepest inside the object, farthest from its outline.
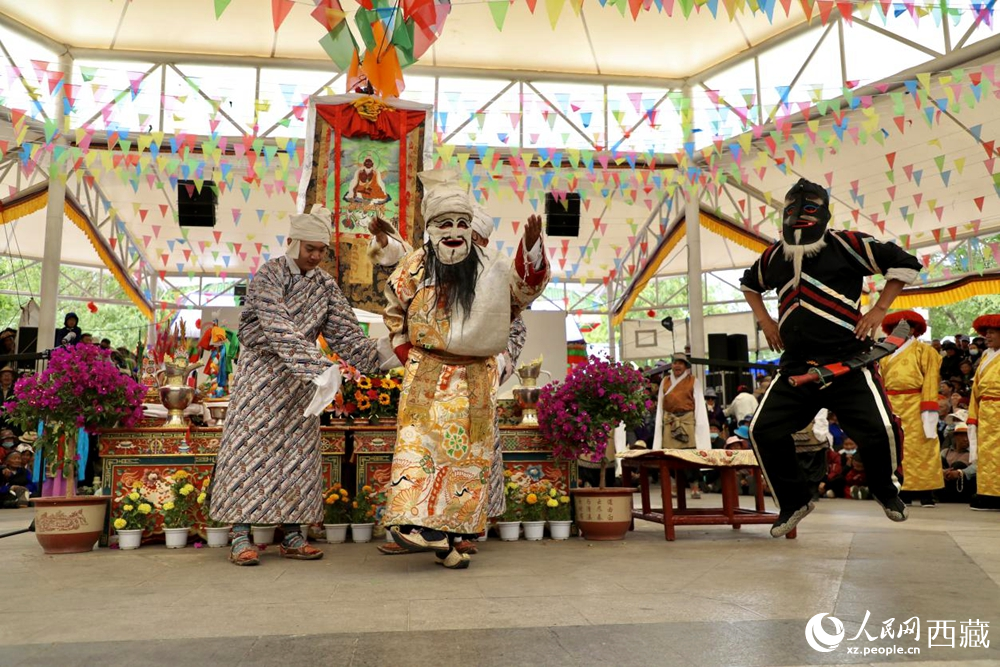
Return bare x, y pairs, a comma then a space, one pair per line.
148, 454
671, 461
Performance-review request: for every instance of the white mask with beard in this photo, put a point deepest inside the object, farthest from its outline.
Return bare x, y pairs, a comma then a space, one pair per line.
451, 237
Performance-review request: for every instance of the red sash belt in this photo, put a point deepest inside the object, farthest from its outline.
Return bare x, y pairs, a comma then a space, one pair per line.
989, 398
903, 392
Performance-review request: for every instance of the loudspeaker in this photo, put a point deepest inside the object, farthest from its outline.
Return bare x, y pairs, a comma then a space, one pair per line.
194, 208
27, 340
240, 293
562, 215
739, 351
718, 348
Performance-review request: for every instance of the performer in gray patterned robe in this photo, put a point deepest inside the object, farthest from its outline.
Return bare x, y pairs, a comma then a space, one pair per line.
268, 469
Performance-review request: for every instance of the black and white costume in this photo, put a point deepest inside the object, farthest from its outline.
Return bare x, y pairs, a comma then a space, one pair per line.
819, 276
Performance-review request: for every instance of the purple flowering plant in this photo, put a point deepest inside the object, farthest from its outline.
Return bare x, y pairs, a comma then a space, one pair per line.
579, 415
81, 387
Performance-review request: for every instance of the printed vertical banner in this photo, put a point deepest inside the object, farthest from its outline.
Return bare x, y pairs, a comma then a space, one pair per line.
366, 154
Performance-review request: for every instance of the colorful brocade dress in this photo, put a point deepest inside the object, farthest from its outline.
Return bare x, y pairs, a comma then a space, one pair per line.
444, 457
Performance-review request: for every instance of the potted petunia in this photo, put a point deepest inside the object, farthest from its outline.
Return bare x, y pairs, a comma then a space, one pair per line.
578, 418
80, 392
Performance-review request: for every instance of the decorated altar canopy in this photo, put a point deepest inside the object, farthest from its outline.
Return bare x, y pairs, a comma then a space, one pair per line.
633, 104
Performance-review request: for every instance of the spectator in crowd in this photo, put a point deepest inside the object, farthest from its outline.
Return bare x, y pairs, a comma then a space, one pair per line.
951, 362
8, 376
976, 352
967, 372
8, 442
715, 412
963, 344
945, 391
832, 485
936, 344
87, 339
70, 334
959, 473
743, 406
715, 433
14, 481
810, 444
836, 432
105, 344
8, 341
744, 478
762, 386
855, 480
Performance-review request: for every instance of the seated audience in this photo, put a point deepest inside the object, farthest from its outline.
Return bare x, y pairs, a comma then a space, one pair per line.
855, 481
14, 481
959, 476
832, 485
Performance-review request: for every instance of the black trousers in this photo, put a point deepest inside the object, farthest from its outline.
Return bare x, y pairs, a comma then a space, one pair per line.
863, 412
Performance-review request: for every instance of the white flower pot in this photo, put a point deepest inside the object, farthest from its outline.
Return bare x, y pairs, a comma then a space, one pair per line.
362, 532
218, 536
559, 530
129, 539
263, 534
509, 530
336, 533
305, 530
533, 530
177, 538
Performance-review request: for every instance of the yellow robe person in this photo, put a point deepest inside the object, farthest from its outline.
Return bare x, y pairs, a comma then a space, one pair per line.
984, 411
912, 375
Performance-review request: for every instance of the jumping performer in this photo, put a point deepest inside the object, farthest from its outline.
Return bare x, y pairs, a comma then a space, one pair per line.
818, 275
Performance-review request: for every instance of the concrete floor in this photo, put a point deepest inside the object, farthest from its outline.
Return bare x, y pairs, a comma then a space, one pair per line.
713, 597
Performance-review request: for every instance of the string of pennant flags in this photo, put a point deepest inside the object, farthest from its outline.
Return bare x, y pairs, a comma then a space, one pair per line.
742, 150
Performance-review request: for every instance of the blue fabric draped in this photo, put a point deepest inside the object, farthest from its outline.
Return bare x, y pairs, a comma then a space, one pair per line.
82, 451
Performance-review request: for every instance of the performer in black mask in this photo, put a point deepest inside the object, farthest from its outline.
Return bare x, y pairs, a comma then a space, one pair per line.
819, 275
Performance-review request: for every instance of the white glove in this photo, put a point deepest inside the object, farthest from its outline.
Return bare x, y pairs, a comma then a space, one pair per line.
930, 420
327, 386
973, 443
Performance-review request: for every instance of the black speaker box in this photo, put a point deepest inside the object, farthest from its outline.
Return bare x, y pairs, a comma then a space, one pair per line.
27, 340
194, 208
718, 348
562, 215
739, 351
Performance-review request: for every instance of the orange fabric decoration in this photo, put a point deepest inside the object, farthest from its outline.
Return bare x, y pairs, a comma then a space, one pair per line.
918, 325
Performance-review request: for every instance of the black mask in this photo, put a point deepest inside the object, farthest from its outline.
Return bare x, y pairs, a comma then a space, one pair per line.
807, 213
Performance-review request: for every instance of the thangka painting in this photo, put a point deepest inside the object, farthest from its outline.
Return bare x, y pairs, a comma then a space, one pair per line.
365, 155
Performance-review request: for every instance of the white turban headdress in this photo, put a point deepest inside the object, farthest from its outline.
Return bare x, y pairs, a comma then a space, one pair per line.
443, 193
482, 223
311, 227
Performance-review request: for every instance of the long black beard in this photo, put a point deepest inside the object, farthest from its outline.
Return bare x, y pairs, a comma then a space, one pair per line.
456, 282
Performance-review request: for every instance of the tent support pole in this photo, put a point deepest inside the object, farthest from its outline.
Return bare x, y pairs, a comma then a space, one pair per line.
54, 216
692, 230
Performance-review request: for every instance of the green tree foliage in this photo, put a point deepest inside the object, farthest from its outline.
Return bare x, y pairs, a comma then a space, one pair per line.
122, 324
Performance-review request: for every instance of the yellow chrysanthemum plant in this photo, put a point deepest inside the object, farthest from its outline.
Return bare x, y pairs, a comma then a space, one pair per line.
336, 505
533, 506
513, 495
134, 509
178, 512
363, 507
557, 505
204, 500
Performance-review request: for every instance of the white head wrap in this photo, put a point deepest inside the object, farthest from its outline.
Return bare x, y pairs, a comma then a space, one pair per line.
311, 227
443, 193
482, 223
